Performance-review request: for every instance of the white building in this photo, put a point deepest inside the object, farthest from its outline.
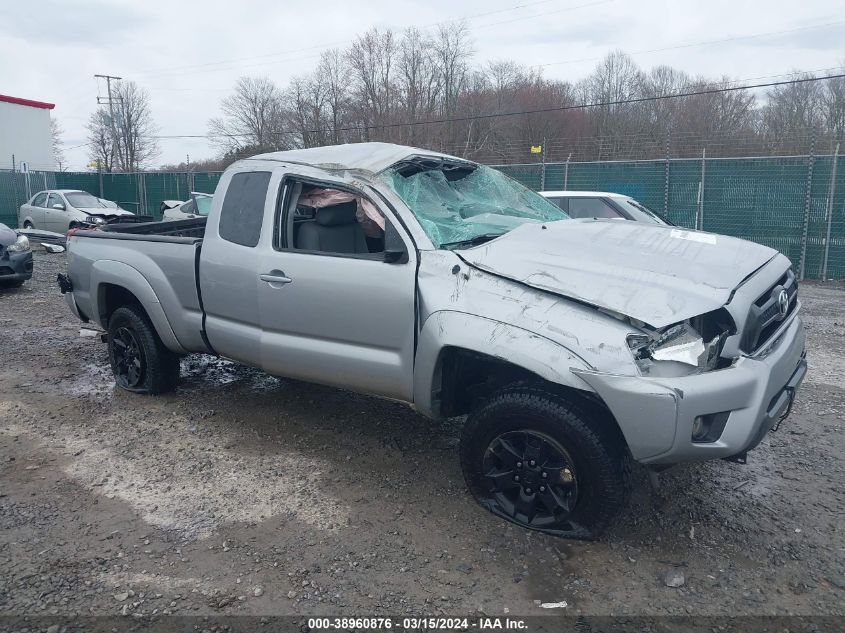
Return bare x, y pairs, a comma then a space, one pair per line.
25, 133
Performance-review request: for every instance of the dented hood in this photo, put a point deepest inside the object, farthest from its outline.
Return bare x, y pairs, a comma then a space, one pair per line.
656, 274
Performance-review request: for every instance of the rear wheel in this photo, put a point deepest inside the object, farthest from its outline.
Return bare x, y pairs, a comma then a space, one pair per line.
538, 460
27, 225
139, 360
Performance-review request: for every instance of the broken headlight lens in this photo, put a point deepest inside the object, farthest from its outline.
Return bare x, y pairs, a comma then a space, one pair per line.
676, 351
94, 219
21, 245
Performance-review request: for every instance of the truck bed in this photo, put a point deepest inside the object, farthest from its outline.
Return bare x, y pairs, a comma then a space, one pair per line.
155, 261
191, 228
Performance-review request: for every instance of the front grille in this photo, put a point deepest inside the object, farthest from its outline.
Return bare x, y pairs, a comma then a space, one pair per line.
765, 314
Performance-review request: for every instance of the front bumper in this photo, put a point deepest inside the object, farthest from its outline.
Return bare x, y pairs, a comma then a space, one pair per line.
656, 414
15, 266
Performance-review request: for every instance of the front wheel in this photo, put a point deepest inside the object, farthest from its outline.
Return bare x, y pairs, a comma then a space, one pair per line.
139, 360
538, 460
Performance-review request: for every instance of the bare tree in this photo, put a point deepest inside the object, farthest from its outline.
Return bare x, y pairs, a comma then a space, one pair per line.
452, 51
616, 79
306, 100
422, 88
133, 127
252, 117
101, 148
56, 132
418, 82
371, 60
333, 71
791, 113
833, 106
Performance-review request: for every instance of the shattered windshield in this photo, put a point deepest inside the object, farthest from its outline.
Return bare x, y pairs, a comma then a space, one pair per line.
460, 204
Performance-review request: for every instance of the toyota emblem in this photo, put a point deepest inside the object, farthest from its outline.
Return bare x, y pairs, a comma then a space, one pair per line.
783, 303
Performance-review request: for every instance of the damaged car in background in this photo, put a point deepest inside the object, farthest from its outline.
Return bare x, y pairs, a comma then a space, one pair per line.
59, 210
571, 345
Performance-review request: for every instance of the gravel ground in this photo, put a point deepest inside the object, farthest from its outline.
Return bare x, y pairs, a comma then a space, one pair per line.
246, 494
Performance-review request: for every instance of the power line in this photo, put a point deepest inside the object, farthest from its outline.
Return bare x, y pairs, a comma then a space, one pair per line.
494, 115
512, 142
791, 73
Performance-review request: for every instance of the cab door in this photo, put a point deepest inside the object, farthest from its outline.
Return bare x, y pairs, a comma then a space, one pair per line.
339, 318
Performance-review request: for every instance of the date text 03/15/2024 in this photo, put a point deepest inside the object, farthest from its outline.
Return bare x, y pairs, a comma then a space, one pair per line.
415, 624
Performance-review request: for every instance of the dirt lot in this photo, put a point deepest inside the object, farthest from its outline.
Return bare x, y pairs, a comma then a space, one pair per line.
245, 494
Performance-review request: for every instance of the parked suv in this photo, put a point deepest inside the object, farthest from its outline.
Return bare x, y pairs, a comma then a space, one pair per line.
571, 346
60, 210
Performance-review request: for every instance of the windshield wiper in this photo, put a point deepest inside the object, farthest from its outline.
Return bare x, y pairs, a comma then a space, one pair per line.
473, 241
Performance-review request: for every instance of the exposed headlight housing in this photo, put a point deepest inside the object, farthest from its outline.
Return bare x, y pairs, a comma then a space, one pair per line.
676, 351
93, 219
20, 245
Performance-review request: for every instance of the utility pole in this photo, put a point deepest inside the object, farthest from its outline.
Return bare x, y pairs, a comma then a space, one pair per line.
110, 100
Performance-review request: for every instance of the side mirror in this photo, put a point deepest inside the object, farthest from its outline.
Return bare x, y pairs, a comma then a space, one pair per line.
394, 248
59, 206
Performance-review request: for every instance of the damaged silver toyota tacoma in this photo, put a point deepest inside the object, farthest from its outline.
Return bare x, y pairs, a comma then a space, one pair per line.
572, 346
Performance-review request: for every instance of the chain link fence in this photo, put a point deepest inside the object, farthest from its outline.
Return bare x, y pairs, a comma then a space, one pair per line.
795, 204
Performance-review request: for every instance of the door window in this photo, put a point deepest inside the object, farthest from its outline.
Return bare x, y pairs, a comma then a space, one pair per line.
591, 208
325, 220
243, 208
54, 199
40, 200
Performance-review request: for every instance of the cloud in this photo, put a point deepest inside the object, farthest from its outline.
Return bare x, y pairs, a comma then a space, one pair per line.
70, 22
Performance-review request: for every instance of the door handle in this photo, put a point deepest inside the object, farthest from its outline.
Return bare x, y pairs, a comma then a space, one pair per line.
275, 279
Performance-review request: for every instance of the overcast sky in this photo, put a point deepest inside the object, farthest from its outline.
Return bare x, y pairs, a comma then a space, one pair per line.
188, 54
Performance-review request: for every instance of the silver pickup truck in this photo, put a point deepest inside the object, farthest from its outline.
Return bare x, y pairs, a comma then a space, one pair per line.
572, 346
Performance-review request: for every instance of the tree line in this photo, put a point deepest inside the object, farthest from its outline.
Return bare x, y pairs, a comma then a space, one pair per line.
425, 88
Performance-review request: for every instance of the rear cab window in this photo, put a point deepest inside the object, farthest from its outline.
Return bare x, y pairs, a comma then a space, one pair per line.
242, 213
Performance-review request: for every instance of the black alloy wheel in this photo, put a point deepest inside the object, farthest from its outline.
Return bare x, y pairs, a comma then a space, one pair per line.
129, 361
140, 362
531, 478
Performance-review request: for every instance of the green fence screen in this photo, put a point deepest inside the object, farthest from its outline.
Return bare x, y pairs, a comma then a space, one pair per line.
795, 204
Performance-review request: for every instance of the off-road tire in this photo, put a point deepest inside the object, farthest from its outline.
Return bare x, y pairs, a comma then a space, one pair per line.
600, 459
160, 366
